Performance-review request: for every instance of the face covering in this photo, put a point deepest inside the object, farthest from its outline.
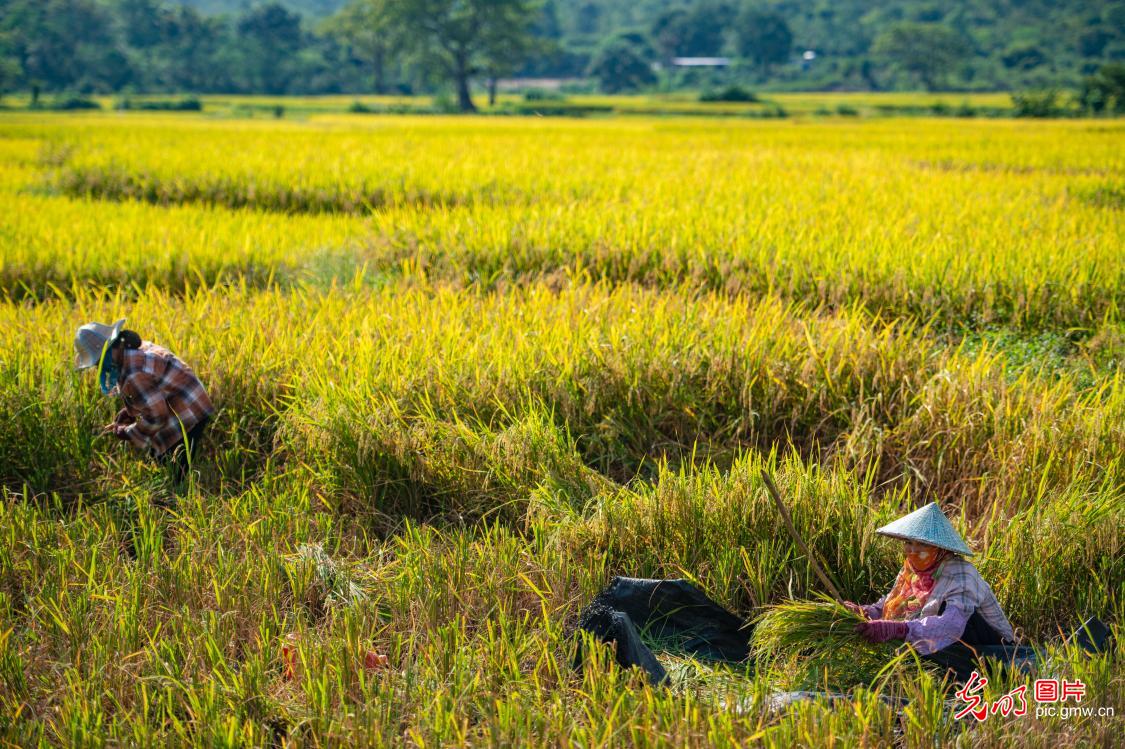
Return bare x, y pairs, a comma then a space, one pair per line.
107, 371
914, 584
923, 560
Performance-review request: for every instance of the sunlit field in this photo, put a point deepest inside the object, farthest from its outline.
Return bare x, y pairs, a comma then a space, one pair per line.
489, 363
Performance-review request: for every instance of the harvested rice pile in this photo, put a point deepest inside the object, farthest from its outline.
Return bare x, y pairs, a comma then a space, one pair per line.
814, 645
319, 581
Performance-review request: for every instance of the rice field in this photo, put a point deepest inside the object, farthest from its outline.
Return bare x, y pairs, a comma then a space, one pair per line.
467, 370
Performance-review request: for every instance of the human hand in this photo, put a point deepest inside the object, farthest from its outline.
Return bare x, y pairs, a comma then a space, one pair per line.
882, 630
114, 430
855, 608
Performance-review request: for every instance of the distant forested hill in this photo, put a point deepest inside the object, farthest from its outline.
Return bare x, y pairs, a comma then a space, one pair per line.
1008, 42
1021, 29
844, 26
310, 46
848, 26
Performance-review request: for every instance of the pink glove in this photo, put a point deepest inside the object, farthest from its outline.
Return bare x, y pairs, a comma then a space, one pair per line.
855, 608
882, 630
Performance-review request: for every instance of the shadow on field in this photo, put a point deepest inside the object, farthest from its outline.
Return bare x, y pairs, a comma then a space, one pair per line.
445, 472
247, 191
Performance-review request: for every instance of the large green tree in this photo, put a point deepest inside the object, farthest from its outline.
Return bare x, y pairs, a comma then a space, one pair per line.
197, 50
763, 38
928, 50
621, 66
465, 38
1104, 91
367, 31
63, 44
270, 37
505, 55
692, 32
9, 74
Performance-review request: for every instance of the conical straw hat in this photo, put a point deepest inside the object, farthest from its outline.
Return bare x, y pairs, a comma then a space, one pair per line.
930, 526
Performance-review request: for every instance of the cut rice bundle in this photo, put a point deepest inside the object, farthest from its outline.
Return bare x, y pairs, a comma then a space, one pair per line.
814, 645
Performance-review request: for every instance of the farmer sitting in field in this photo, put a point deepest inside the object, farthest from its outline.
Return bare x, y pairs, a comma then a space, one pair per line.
166, 406
939, 603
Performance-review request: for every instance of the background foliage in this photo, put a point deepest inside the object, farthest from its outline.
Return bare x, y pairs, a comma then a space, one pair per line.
382, 46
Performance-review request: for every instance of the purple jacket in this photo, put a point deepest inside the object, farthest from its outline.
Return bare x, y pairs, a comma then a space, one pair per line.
961, 588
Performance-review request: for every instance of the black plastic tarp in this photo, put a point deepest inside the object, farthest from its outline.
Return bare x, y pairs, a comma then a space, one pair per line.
672, 612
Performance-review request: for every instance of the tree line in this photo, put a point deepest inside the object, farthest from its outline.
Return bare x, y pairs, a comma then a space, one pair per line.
412, 46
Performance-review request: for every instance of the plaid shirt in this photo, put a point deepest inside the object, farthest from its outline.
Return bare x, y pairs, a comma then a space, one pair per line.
163, 398
964, 591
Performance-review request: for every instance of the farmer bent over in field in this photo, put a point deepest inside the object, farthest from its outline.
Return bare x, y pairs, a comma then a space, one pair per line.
939, 603
165, 405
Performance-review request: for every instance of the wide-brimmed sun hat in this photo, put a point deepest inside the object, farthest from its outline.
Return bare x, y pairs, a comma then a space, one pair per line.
930, 526
90, 341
